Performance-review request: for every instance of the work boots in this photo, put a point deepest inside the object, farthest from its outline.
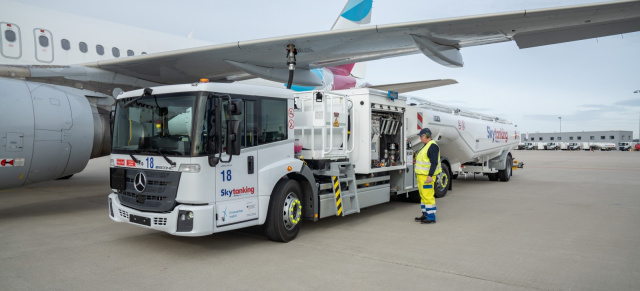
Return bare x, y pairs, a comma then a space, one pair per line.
423, 220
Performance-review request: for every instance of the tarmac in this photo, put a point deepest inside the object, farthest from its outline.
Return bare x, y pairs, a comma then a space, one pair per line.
566, 221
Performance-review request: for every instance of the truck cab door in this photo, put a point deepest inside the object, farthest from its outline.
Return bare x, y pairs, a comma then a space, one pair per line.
237, 180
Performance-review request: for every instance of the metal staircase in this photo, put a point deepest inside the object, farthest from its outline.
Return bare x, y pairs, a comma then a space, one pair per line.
345, 192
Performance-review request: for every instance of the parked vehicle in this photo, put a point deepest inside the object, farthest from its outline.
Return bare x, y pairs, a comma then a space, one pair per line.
529, 146
573, 146
624, 146
202, 158
607, 146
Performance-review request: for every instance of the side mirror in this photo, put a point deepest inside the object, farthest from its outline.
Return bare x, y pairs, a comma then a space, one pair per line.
235, 107
213, 160
233, 137
112, 120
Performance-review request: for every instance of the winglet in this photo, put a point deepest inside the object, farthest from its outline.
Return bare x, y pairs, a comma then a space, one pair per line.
355, 13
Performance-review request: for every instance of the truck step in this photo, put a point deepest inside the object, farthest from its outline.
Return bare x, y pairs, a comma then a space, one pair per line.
347, 195
351, 211
346, 175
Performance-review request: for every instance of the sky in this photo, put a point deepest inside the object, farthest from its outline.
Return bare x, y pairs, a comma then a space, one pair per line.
590, 84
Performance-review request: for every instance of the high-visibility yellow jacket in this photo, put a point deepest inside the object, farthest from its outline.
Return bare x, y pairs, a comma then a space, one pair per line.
423, 164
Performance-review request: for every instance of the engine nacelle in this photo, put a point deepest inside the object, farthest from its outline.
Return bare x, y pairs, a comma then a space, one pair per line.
46, 132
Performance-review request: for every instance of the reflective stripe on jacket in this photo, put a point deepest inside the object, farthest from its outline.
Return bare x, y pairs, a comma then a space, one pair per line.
422, 161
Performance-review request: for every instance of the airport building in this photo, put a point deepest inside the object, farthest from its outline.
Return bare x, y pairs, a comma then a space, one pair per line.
611, 136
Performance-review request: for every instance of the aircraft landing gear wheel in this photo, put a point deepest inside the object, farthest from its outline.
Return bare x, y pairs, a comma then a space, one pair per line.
285, 212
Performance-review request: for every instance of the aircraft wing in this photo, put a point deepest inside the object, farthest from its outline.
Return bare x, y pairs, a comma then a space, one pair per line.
414, 86
440, 40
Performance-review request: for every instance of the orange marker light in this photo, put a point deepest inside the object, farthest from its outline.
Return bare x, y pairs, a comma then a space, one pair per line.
289, 168
204, 80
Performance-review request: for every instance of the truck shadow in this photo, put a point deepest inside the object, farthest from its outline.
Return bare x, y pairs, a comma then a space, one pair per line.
253, 236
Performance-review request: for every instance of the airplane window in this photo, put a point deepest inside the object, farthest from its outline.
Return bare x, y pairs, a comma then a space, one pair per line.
116, 52
100, 49
143, 53
44, 41
83, 47
10, 36
130, 53
65, 44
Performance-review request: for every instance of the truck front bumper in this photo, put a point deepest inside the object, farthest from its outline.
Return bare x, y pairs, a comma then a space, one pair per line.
184, 220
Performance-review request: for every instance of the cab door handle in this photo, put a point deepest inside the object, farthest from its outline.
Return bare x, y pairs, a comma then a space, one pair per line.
250, 164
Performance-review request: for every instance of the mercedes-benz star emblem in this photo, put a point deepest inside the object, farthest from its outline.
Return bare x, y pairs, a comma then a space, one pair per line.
140, 182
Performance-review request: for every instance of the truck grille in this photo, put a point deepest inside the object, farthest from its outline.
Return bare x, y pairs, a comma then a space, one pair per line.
159, 194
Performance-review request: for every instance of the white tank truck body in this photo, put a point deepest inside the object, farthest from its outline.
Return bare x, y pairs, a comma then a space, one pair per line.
381, 134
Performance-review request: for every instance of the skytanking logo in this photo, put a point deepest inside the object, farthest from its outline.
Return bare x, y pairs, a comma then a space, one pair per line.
497, 135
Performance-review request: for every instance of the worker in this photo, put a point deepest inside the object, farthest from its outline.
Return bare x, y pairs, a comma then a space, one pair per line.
427, 169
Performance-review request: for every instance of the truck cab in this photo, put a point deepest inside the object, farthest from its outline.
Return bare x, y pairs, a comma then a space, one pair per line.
201, 158
529, 146
574, 146
624, 146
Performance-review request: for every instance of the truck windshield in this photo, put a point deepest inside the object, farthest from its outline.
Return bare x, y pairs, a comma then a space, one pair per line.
155, 124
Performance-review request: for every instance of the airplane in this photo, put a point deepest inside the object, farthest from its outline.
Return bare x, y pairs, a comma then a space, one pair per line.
58, 80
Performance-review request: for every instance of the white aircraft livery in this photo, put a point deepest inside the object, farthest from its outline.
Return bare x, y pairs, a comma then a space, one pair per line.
58, 80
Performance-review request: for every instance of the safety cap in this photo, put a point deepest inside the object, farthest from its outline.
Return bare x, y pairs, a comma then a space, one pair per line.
425, 131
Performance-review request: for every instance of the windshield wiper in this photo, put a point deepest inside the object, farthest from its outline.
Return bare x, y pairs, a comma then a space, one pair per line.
134, 158
146, 92
172, 163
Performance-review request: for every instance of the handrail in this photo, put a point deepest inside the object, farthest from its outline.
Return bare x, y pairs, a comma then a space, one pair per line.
353, 125
330, 128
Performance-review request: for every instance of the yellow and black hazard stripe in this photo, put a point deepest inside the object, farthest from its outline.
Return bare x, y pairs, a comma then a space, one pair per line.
336, 189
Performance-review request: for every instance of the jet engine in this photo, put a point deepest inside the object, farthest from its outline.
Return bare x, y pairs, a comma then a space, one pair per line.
47, 132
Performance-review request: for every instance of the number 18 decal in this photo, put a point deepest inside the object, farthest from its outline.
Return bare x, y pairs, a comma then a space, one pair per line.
227, 177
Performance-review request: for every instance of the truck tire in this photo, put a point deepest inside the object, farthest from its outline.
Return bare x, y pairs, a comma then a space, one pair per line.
442, 182
505, 174
285, 211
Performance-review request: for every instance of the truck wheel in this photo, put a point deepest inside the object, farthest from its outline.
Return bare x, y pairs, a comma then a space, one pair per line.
505, 174
285, 211
442, 182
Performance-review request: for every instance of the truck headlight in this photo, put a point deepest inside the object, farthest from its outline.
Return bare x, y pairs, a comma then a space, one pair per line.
189, 168
185, 221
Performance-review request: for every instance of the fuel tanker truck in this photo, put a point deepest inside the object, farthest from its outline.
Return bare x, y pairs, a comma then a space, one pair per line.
202, 158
